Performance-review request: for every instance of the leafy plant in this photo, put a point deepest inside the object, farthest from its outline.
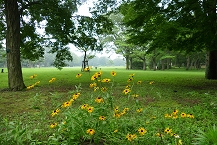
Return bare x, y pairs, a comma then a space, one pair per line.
206, 137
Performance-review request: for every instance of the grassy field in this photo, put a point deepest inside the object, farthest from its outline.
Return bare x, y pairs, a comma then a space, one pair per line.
132, 107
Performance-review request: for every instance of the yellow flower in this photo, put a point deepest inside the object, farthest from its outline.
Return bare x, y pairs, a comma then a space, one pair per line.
127, 87
168, 130
139, 82
52, 80
139, 110
151, 82
33, 76
53, 125
175, 112
135, 95
142, 131
30, 87
87, 69
115, 130
190, 115
113, 73
102, 118
117, 115
132, 75
123, 112
183, 115
75, 96
159, 134
37, 83
94, 77
126, 91
95, 89
167, 115
66, 104
126, 109
175, 117
103, 89
90, 109
99, 100
130, 80
84, 106
78, 75
90, 131
55, 112
106, 80
92, 85
180, 142
131, 137
116, 109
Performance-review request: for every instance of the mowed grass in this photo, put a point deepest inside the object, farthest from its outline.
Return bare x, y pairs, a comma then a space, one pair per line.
171, 90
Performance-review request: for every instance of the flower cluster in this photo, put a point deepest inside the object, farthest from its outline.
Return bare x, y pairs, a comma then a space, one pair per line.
33, 85
87, 107
33, 76
175, 115
52, 80
118, 113
95, 117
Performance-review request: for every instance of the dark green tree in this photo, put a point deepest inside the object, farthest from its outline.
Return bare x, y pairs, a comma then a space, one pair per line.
20, 20
186, 25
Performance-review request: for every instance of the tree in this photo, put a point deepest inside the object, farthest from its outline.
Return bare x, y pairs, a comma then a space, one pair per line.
62, 26
176, 25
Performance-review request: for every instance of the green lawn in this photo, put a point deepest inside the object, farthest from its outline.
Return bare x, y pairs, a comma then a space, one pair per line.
177, 107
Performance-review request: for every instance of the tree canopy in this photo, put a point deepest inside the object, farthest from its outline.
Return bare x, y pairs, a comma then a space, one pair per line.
186, 25
20, 21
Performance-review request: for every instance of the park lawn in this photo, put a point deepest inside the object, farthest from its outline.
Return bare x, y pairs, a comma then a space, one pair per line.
27, 114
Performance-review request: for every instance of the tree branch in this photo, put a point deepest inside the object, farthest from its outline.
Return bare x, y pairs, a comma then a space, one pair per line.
26, 6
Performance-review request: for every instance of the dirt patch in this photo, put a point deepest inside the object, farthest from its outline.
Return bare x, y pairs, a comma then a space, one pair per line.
188, 101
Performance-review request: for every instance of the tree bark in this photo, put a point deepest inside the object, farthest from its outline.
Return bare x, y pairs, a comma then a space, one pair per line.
15, 78
188, 62
131, 62
127, 62
211, 65
144, 64
162, 64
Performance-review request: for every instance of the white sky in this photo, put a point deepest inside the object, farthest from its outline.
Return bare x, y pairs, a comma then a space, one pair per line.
84, 10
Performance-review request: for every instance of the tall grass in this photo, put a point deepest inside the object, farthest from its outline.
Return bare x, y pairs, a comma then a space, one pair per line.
26, 116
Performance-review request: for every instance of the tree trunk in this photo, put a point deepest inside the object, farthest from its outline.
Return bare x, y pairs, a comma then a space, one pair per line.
131, 63
211, 65
127, 62
15, 78
154, 63
188, 62
162, 64
144, 64
168, 63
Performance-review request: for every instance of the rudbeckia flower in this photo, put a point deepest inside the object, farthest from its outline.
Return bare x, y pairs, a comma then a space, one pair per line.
113, 73
142, 131
66, 104
102, 118
183, 115
53, 125
84, 106
55, 112
90, 109
90, 131
78, 75
99, 100
126, 91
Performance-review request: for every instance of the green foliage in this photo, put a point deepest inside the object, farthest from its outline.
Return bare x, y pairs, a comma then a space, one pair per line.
162, 99
175, 25
62, 26
209, 136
